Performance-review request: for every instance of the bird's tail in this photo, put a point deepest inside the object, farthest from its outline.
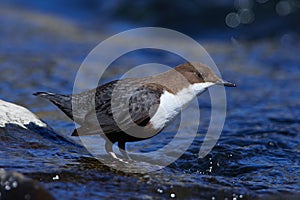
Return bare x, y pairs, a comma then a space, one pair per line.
63, 102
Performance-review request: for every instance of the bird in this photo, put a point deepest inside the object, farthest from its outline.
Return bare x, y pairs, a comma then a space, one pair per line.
135, 109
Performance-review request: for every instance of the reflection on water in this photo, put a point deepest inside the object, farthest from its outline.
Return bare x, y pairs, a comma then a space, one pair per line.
257, 155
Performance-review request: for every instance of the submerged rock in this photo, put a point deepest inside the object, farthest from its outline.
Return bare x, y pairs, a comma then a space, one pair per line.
30, 145
14, 185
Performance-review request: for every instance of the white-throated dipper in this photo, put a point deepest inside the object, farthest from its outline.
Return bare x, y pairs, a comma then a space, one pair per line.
135, 109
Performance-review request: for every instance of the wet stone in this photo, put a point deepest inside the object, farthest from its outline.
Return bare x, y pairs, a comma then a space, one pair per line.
14, 114
14, 185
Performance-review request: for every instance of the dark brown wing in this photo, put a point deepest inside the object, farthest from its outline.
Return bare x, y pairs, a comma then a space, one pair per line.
130, 108
85, 102
144, 103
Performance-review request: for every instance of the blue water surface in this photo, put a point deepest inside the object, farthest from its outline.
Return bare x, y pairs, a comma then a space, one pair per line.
256, 157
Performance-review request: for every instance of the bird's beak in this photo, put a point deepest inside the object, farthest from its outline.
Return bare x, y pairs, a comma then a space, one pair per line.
226, 83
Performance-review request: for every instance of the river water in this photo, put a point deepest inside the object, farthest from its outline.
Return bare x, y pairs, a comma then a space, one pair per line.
256, 157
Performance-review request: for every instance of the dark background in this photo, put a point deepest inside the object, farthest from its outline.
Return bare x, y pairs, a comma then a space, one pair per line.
217, 19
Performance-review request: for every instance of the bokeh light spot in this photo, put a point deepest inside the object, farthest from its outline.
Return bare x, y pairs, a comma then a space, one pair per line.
232, 20
283, 8
246, 16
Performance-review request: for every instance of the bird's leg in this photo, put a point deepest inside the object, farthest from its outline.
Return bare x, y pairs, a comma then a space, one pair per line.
109, 150
122, 149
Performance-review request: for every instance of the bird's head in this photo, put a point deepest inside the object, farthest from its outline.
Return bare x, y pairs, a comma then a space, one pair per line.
201, 75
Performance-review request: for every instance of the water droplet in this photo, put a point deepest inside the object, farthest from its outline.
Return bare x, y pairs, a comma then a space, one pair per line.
146, 176
15, 184
241, 196
172, 195
232, 20
271, 144
7, 187
55, 177
160, 191
213, 198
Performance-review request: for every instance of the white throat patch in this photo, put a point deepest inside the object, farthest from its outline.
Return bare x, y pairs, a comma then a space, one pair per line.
171, 105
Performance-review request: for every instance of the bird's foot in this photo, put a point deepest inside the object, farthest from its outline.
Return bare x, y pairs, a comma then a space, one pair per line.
114, 156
